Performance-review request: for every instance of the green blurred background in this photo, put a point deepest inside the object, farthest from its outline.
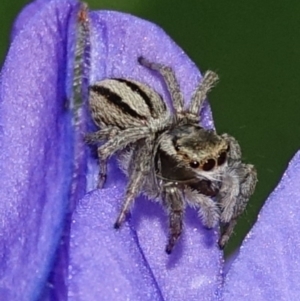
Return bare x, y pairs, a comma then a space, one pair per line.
255, 48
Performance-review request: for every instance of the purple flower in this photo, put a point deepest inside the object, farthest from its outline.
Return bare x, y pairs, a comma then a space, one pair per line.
56, 241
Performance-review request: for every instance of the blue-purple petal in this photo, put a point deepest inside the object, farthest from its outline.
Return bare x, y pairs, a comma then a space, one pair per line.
36, 151
34, 8
102, 258
268, 266
106, 264
26, 15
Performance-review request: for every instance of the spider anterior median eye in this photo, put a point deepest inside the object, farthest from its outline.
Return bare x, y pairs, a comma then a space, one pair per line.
194, 164
209, 165
222, 158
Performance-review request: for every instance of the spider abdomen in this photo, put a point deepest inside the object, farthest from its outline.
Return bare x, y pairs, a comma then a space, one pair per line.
124, 103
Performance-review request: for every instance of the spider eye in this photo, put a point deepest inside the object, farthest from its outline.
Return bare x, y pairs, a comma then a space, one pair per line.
209, 165
222, 158
194, 164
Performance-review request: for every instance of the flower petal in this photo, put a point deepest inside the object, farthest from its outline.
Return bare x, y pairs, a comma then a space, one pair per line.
106, 264
27, 14
268, 265
136, 252
36, 151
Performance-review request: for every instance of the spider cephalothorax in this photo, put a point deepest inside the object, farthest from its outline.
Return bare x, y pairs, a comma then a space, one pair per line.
170, 156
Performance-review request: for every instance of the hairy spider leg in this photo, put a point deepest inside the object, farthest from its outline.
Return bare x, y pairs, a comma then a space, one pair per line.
170, 79
173, 201
139, 170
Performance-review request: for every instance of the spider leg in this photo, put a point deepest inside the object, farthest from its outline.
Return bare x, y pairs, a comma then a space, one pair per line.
237, 187
93, 138
102, 175
138, 172
208, 209
248, 175
226, 232
247, 178
208, 81
231, 182
103, 134
173, 201
121, 140
228, 195
117, 140
170, 80
235, 152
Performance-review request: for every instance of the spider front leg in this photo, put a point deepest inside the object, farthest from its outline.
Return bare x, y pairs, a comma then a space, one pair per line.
208, 209
228, 194
230, 187
226, 232
248, 179
139, 170
173, 201
234, 153
238, 184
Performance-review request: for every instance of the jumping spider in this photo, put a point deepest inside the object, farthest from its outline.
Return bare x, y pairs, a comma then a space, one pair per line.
170, 156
